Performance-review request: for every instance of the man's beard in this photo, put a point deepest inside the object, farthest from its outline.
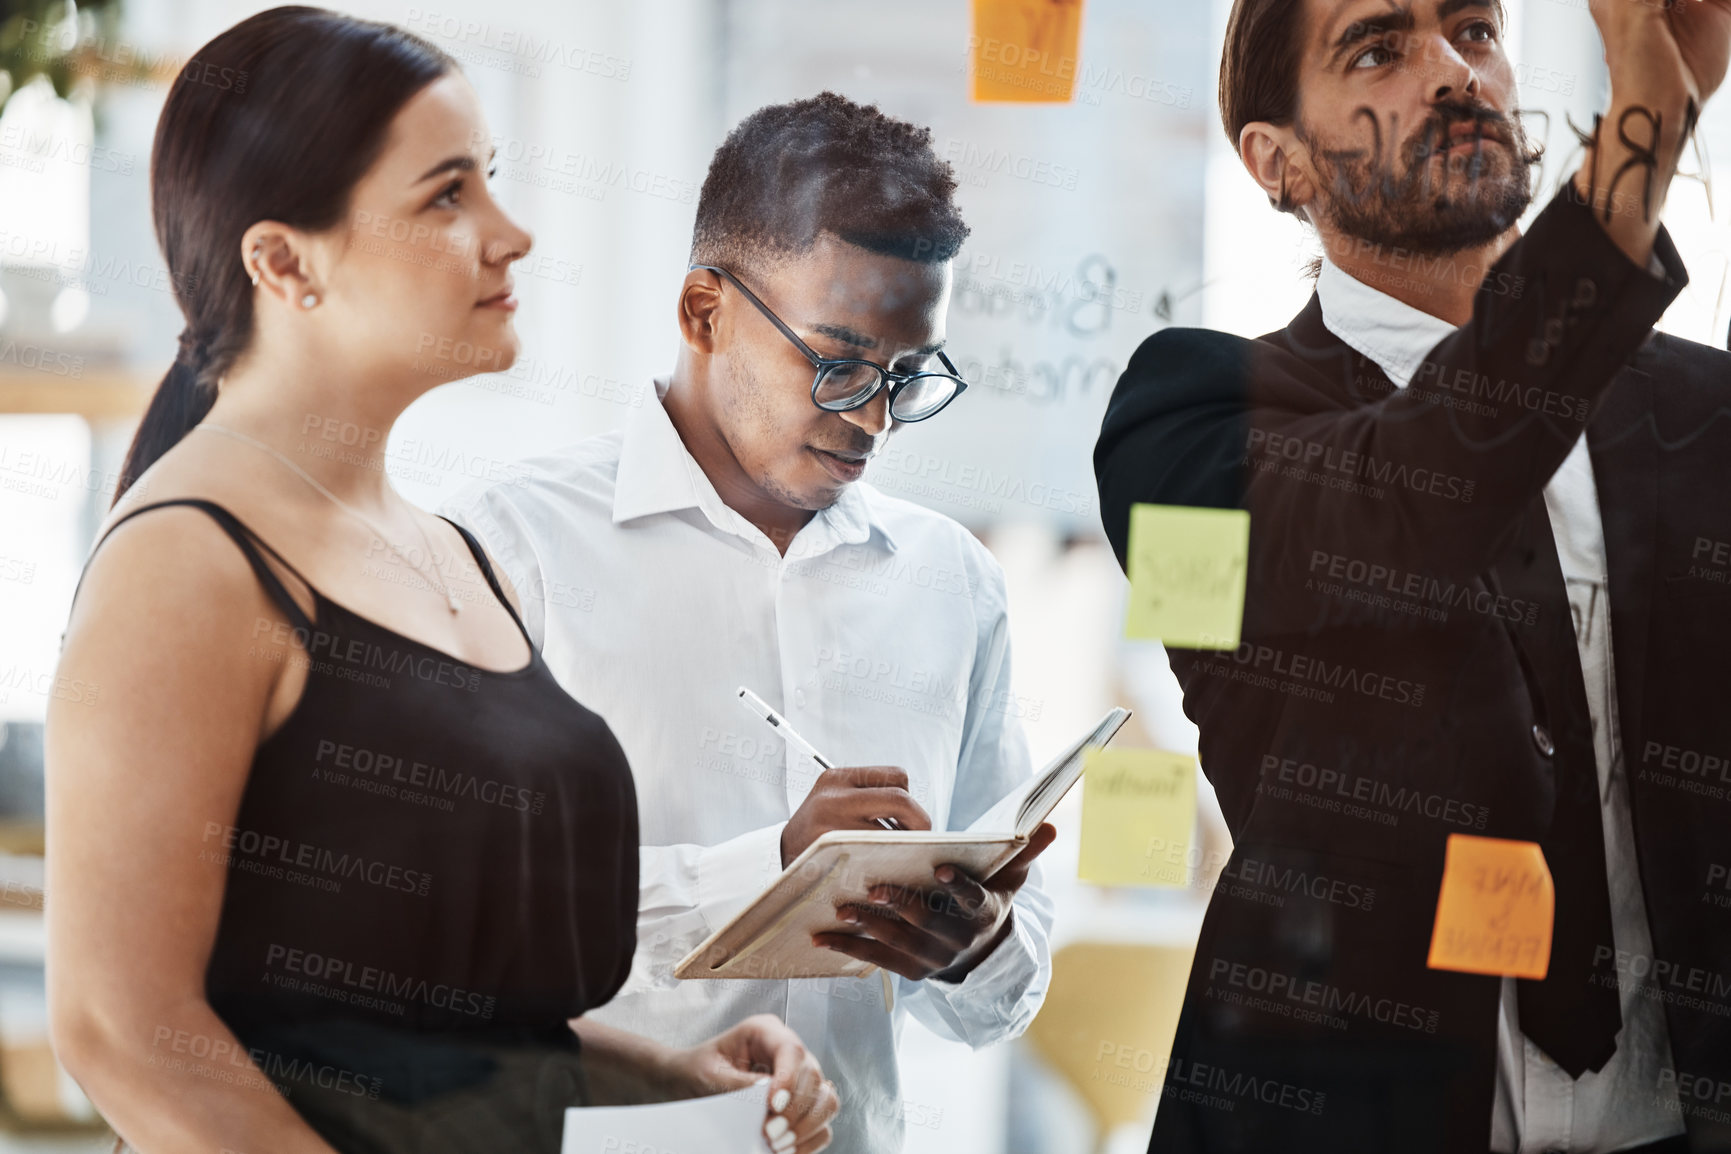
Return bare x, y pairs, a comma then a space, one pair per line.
1429, 202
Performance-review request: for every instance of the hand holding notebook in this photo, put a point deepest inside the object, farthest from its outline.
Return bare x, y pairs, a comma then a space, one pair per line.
773, 936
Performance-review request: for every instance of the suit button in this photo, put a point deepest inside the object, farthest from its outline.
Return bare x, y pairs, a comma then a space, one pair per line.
1586, 293
799, 698
1538, 352
1554, 331
1542, 740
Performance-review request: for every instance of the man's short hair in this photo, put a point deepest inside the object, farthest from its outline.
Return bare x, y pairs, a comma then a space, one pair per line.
1259, 66
790, 172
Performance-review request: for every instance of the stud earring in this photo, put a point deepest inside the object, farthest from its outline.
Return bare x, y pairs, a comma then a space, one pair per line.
309, 300
257, 251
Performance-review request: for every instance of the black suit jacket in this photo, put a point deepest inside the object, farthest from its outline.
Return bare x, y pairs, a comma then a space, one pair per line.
1408, 654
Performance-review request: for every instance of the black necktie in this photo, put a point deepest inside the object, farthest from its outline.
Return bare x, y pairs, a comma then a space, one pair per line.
1575, 1013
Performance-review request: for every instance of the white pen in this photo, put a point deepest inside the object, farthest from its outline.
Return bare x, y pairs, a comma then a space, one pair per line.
760, 709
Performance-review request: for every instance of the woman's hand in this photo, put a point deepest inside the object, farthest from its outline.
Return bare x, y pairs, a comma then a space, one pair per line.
801, 1103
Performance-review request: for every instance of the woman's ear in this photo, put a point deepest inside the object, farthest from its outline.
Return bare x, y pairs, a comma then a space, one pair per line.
277, 262
1278, 161
699, 301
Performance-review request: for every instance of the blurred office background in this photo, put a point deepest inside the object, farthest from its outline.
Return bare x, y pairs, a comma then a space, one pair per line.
1095, 223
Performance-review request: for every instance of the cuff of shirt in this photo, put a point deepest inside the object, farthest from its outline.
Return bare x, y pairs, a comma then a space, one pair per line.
1001, 971
731, 874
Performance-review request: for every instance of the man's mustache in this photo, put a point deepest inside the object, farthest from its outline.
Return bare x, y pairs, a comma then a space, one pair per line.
859, 444
1436, 134
1397, 169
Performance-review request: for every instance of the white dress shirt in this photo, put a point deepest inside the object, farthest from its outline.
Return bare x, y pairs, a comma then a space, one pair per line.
882, 636
1538, 1107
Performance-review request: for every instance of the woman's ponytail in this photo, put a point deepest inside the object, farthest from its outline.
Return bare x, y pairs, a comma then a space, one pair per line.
180, 402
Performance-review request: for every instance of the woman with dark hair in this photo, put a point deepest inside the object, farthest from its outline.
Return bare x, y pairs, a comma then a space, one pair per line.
336, 863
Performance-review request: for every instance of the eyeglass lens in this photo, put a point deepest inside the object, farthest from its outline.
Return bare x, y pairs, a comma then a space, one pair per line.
847, 386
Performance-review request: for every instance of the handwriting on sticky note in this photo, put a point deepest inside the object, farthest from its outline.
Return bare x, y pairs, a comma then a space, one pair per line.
1187, 574
1138, 812
1025, 50
1494, 913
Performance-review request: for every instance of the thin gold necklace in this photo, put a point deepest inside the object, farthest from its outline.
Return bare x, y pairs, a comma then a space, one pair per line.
432, 578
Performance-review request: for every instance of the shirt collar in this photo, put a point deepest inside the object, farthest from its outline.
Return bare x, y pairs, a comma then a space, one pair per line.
1390, 332
853, 519
658, 474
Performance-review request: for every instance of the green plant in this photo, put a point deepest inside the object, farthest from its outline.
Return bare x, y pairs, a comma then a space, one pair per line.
65, 42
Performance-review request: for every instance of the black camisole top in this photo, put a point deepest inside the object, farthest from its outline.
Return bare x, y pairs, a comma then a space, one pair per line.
432, 869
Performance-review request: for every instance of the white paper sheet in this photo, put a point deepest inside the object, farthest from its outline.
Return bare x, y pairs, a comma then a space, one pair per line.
722, 1124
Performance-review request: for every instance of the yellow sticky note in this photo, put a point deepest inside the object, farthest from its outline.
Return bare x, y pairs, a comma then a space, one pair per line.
1494, 913
1138, 814
1187, 571
1026, 50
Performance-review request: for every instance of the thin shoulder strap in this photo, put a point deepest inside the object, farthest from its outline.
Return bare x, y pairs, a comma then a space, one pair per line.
487, 572
249, 543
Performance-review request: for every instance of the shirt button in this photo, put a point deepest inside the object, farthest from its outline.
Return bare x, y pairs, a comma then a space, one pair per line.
799, 698
1542, 740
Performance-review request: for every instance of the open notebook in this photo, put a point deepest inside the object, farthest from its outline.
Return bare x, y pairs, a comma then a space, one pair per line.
771, 937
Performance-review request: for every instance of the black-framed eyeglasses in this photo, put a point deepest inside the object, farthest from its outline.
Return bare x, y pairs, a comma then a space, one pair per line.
842, 384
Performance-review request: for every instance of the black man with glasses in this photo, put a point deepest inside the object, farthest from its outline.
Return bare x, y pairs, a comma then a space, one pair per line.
725, 538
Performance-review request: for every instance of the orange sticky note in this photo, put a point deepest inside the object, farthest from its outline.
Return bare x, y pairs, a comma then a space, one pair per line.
1494, 913
1026, 50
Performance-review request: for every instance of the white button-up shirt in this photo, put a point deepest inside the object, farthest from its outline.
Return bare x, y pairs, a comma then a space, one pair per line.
1538, 1107
882, 636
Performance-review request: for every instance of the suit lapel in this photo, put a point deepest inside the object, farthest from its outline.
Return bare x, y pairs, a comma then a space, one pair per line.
1529, 570
1353, 377
1626, 473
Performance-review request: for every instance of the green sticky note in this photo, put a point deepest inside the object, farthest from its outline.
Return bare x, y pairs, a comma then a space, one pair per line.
1138, 815
1187, 568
